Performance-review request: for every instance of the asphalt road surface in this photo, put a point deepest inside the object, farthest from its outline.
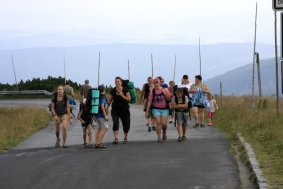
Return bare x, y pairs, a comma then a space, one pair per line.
204, 161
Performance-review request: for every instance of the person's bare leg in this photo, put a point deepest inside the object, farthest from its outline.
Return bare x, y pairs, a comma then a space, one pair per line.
89, 133
158, 127
102, 134
64, 127
116, 135
57, 132
195, 114
97, 136
201, 115
164, 121
84, 135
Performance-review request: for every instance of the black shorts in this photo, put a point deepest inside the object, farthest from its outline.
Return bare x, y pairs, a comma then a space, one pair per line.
198, 106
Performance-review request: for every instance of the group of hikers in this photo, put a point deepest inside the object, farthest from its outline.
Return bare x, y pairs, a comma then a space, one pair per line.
161, 102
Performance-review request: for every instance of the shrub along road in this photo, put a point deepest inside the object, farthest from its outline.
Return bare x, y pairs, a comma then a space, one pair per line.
204, 161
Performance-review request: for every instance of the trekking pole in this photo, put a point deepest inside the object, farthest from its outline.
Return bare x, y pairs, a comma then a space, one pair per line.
253, 76
65, 68
98, 69
14, 72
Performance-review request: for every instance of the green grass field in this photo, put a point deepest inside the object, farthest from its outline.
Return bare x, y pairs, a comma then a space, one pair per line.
17, 123
262, 129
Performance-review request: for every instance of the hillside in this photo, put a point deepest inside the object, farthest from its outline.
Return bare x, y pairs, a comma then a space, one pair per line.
239, 81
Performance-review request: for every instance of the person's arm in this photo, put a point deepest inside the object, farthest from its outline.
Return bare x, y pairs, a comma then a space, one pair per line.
53, 109
149, 102
103, 108
126, 97
191, 90
205, 89
166, 94
68, 109
73, 93
174, 105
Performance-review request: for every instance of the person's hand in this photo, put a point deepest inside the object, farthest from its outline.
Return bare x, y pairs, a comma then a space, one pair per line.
119, 92
55, 117
146, 114
106, 118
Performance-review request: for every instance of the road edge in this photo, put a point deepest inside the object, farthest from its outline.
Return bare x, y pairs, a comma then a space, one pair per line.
261, 182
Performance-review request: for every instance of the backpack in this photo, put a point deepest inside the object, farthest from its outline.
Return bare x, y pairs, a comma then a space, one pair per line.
130, 86
183, 100
154, 95
89, 100
146, 90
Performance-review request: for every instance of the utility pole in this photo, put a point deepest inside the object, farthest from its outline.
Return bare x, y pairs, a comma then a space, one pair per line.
258, 74
221, 94
151, 65
276, 66
253, 76
175, 68
14, 73
98, 74
65, 68
129, 78
199, 56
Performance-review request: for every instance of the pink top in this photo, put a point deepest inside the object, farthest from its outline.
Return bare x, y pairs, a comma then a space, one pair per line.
159, 101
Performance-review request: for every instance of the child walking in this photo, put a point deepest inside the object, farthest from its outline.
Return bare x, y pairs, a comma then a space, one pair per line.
212, 107
180, 105
86, 120
101, 118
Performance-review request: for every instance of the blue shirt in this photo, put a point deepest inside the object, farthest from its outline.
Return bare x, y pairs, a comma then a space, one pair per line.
102, 101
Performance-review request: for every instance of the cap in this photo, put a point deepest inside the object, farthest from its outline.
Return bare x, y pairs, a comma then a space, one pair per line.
101, 88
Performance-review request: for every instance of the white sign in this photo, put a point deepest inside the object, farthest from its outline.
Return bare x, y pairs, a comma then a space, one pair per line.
278, 4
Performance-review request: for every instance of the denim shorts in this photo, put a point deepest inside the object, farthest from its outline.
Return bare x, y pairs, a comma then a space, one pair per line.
160, 112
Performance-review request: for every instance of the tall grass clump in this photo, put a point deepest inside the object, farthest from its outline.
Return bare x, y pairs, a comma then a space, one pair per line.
260, 127
17, 123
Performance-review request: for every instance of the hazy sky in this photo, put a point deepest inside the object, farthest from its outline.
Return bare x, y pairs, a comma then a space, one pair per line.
136, 21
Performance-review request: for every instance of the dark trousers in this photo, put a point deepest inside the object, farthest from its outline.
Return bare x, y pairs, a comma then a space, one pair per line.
125, 117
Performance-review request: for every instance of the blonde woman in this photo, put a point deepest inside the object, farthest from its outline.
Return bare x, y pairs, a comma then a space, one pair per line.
61, 114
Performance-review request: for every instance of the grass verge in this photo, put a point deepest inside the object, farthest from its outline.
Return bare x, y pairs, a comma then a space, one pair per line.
17, 123
262, 129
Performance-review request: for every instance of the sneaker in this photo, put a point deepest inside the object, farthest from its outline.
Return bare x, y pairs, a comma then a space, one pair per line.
149, 129
184, 138
57, 144
153, 128
196, 125
180, 139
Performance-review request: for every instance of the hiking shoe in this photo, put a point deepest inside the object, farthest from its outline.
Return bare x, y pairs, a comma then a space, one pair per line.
170, 121
196, 125
149, 129
65, 146
202, 125
57, 144
153, 128
180, 139
164, 137
184, 138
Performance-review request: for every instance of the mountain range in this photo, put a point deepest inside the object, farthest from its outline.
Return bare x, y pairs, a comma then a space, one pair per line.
82, 62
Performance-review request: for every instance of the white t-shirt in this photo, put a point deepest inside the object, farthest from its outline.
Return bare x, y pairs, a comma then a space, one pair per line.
188, 86
211, 106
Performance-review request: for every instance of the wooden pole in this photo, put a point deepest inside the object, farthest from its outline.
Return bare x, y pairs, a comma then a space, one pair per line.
258, 74
253, 76
129, 78
151, 65
199, 57
98, 74
175, 68
17, 88
221, 94
65, 68
276, 66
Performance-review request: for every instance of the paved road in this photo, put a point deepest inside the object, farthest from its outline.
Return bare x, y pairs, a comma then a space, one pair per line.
202, 162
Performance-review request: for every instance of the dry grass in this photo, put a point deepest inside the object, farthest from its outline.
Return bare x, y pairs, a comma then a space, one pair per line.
262, 129
17, 123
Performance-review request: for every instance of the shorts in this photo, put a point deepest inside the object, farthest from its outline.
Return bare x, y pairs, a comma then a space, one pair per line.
198, 106
182, 118
86, 124
101, 123
61, 118
160, 112
210, 114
